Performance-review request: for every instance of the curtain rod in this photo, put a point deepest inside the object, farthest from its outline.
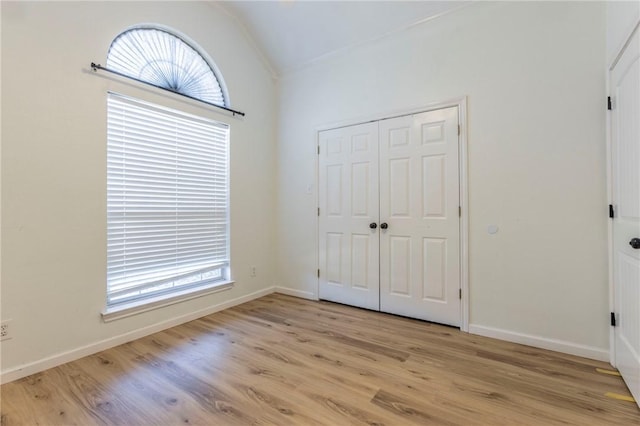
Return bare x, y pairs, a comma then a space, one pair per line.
96, 67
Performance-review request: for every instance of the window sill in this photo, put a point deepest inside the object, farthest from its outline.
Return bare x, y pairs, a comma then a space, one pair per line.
140, 306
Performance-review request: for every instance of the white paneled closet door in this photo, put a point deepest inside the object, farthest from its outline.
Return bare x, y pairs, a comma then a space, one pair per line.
625, 155
388, 219
348, 196
419, 204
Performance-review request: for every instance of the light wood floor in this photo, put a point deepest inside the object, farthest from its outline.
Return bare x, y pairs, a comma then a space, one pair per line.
280, 360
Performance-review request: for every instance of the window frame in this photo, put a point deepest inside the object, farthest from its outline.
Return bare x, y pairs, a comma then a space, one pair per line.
178, 293
114, 311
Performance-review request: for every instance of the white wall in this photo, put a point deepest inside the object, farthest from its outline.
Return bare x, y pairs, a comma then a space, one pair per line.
534, 77
622, 17
54, 167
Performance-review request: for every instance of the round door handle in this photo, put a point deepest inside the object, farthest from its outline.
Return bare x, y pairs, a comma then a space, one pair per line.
373, 225
384, 225
635, 242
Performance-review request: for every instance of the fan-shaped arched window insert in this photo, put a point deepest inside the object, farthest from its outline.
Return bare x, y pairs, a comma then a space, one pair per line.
157, 56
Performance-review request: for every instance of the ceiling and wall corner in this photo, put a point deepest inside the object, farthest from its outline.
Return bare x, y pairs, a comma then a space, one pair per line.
295, 34
224, 7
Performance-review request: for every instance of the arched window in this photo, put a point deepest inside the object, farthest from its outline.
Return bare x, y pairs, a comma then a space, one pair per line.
159, 57
167, 177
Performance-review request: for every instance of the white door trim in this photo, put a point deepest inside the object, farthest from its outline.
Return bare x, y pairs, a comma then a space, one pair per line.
461, 103
612, 335
609, 159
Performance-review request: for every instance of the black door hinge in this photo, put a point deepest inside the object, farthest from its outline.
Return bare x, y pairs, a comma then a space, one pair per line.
460, 294
613, 319
609, 103
318, 273
611, 215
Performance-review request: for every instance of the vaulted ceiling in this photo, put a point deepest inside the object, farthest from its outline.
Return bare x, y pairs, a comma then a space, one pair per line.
291, 34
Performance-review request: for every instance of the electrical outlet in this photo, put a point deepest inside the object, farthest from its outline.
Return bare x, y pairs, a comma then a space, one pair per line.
253, 271
5, 330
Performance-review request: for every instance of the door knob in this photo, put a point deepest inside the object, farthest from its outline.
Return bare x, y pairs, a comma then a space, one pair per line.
635, 242
384, 225
373, 225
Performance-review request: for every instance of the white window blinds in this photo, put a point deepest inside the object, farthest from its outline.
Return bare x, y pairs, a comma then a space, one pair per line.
167, 200
158, 57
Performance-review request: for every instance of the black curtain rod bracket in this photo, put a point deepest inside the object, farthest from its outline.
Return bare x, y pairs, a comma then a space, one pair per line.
95, 67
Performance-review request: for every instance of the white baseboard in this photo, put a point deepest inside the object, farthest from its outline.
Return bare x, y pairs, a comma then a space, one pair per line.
295, 293
541, 342
68, 356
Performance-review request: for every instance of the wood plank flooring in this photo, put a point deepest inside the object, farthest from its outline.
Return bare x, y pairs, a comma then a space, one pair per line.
280, 360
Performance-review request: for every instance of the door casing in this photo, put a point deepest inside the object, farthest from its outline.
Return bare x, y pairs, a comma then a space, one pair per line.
461, 103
